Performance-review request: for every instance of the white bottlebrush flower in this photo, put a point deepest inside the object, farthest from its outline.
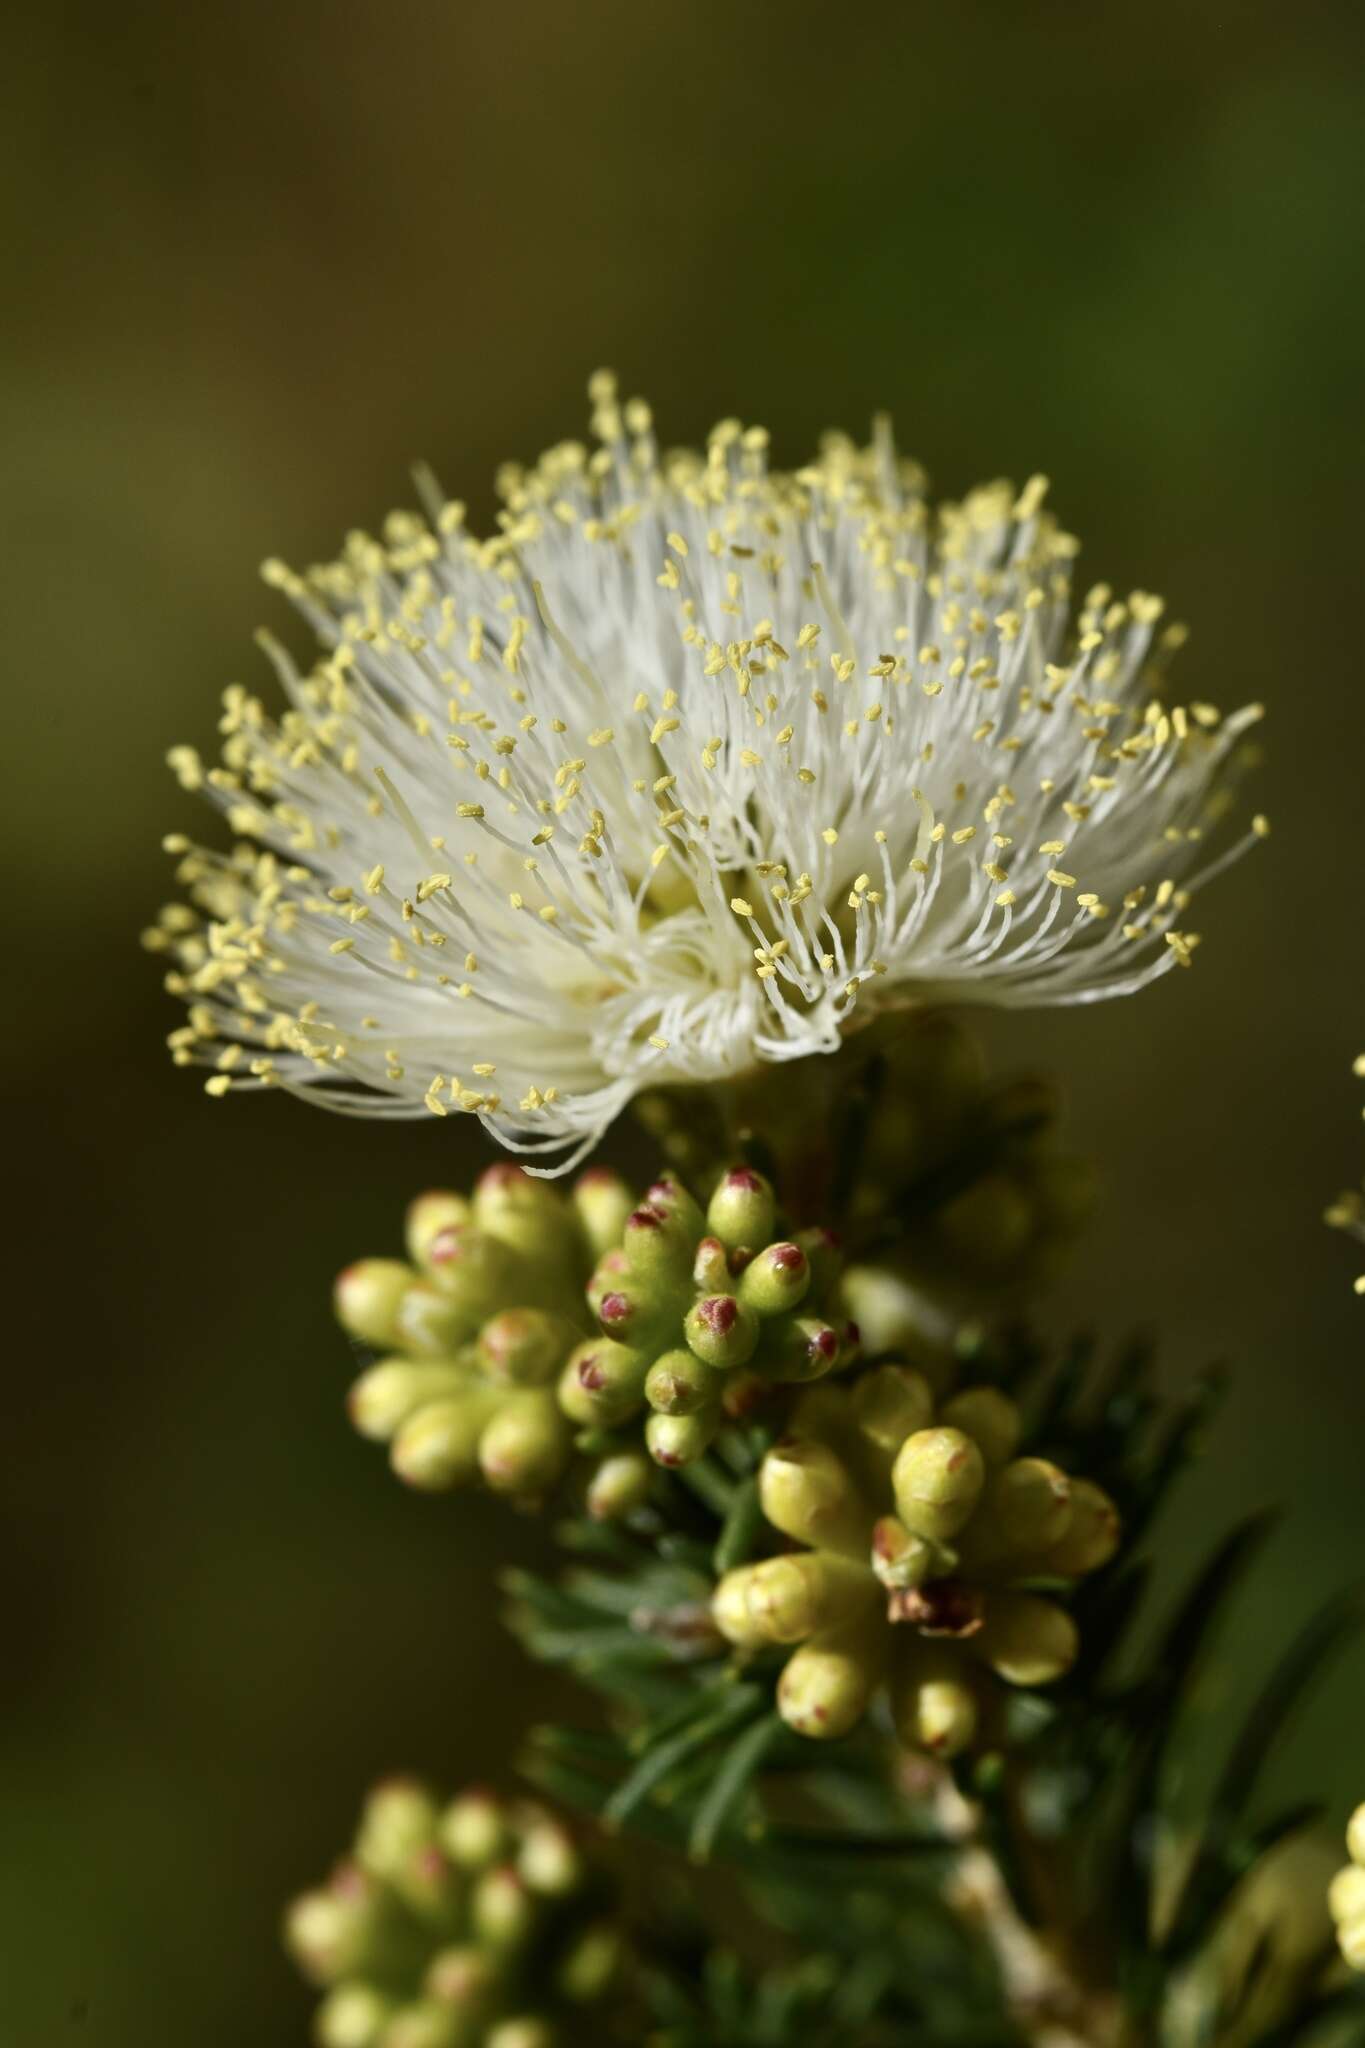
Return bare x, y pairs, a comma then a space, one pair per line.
695, 764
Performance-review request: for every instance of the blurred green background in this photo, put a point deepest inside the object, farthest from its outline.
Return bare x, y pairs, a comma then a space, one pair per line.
260, 258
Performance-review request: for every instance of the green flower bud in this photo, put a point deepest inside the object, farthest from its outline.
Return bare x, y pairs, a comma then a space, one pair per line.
731, 1612
548, 1863
776, 1280
502, 1912
824, 1257
990, 1224
657, 1245
1355, 1836
438, 1446
426, 2025
934, 1704
464, 1977
799, 1348
785, 1599
893, 1317
430, 1887
590, 1964
1093, 1536
681, 1439
474, 1830
429, 1323
743, 1209
524, 2031
1346, 1895
1031, 1500
340, 1929
744, 1394
670, 1198
398, 1819
808, 1493
900, 1559
474, 1271
620, 1484
367, 1297
711, 1267
989, 1418
383, 1398
679, 1384
827, 1685
353, 2016
937, 1479
603, 1383
452, 1925
524, 1213
526, 1444
1027, 1640
524, 1347
610, 1275
721, 1330
1351, 1941
602, 1202
638, 1312
891, 1403
428, 1215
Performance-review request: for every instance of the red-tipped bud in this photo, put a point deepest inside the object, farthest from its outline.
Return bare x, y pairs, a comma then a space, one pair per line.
610, 1275
827, 1684
383, 1398
526, 1444
1093, 1536
681, 1439
428, 1216
743, 1209
602, 1202
620, 1484
989, 1418
602, 1383
474, 1829
776, 1280
524, 1347
1027, 1640
438, 1446
721, 1330
937, 1477
367, 1297
711, 1266
679, 1384
891, 1402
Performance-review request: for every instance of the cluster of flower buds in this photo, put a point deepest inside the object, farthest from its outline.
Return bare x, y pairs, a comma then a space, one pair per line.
995, 1202
474, 1328
704, 1314
926, 1538
1346, 1897
473, 1925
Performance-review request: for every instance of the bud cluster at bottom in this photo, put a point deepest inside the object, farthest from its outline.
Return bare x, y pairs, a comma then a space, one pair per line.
931, 1553
476, 1924
1347, 1895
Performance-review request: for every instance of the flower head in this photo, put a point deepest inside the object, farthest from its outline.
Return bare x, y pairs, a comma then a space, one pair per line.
478, 1922
925, 1535
475, 1327
694, 764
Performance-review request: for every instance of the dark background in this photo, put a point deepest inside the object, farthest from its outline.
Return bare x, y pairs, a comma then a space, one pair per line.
257, 260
